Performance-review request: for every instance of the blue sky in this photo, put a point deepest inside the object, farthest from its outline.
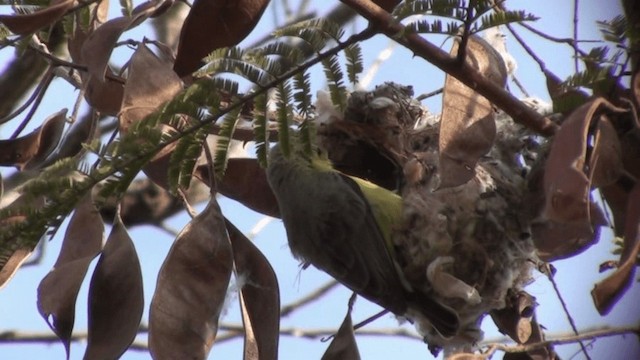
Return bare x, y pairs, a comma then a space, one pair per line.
575, 276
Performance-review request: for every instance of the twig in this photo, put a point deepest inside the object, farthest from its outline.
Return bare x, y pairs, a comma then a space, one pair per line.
545, 36
468, 21
41, 91
564, 339
550, 273
36, 94
312, 296
575, 39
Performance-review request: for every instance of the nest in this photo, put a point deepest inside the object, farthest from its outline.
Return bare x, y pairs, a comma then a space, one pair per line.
469, 246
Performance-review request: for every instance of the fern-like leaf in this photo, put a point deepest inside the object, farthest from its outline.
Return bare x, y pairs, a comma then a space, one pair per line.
353, 54
334, 77
503, 18
284, 114
260, 129
224, 139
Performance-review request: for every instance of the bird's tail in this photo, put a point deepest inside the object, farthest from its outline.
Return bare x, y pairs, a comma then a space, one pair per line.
443, 318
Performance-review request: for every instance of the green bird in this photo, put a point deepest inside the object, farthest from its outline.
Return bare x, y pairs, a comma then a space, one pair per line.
343, 226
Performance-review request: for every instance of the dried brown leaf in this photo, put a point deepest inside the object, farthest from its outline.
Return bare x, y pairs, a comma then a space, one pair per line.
245, 181
605, 161
566, 183
468, 128
260, 297
71, 144
151, 83
213, 25
191, 289
97, 48
58, 290
29, 151
607, 292
343, 346
104, 96
555, 240
24, 24
617, 196
116, 299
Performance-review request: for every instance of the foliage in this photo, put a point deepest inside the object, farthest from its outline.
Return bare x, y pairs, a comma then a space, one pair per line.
168, 109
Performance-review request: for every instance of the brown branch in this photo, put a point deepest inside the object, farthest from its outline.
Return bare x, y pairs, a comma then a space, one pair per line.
385, 23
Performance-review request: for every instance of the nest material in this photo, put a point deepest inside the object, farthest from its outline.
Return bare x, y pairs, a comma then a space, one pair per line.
468, 246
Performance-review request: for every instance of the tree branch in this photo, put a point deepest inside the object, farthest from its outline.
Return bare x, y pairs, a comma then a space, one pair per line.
386, 24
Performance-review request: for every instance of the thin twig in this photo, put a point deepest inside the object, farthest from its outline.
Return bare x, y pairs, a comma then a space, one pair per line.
311, 297
46, 81
575, 39
549, 274
36, 94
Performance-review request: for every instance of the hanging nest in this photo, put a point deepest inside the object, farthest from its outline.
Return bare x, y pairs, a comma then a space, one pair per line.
470, 246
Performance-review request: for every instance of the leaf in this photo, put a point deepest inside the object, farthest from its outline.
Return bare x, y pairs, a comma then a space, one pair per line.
116, 299
29, 151
565, 99
259, 296
104, 96
343, 346
24, 24
97, 48
608, 292
58, 290
213, 25
566, 184
245, 181
71, 144
605, 160
468, 129
191, 289
151, 83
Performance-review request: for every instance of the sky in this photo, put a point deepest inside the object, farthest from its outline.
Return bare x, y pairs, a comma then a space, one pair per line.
575, 276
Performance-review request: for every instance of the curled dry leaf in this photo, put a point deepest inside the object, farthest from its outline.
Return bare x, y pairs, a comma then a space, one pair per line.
24, 24
191, 289
29, 151
245, 181
259, 295
58, 290
566, 183
607, 292
213, 25
97, 48
343, 346
150, 84
104, 96
468, 128
116, 299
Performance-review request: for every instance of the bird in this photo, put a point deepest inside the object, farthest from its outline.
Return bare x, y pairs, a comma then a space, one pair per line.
343, 225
